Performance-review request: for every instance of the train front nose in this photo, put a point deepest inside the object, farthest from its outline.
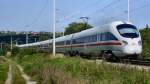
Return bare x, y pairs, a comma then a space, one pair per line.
129, 50
132, 48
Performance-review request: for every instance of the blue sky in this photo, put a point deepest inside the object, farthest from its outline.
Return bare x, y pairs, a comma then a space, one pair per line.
37, 15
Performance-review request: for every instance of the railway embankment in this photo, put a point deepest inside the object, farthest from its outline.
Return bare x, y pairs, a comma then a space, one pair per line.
74, 70
16, 74
10, 73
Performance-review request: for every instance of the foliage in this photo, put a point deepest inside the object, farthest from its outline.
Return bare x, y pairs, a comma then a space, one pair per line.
17, 77
4, 48
20, 52
3, 72
15, 51
145, 35
27, 51
2, 52
76, 27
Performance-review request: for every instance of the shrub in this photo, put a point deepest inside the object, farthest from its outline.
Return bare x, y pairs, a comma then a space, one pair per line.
15, 51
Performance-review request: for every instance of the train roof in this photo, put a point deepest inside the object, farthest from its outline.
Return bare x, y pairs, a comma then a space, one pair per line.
99, 29
67, 37
35, 44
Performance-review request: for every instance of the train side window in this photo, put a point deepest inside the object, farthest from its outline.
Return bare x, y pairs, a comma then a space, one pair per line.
114, 38
99, 37
73, 41
82, 40
60, 43
85, 39
94, 38
90, 39
68, 42
110, 36
103, 38
107, 36
78, 40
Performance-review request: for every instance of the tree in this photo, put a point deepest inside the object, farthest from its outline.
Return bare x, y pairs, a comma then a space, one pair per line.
147, 26
145, 33
76, 27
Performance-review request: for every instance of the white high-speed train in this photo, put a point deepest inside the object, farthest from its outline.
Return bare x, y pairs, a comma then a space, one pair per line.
118, 39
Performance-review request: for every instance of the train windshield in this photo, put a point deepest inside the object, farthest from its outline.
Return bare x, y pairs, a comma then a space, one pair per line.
128, 31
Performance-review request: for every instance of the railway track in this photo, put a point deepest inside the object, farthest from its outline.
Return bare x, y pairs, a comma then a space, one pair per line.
136, 64
128, 63
145, 62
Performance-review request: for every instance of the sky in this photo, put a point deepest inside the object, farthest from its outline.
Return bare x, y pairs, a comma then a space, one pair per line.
37, 15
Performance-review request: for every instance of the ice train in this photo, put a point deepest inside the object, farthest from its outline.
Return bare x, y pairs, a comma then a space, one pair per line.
118, 39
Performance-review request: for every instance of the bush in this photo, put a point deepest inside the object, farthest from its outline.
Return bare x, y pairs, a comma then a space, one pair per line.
145, 33
20, 52
3, 72
15, 51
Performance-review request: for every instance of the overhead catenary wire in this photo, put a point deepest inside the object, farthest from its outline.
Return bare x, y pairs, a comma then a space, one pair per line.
76, 13
133, 10
73, 15
122, 13
105, 7
97, 11
139, 8
38, 15
75, 18
100, 12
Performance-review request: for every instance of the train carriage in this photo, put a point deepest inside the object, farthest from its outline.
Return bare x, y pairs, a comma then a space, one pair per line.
118, 39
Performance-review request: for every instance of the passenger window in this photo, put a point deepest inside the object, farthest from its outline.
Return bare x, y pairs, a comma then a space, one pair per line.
68, 42
103, 37
110, 36
106, 37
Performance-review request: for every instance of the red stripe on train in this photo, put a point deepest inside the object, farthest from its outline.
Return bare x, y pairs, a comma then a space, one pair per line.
109, 43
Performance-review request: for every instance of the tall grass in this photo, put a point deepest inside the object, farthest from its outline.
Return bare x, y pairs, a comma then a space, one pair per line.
3, 72
4, 69
17, 78
78, 71
101, 74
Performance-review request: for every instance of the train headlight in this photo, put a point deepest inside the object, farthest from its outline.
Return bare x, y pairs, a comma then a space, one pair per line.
140, 42
125, 42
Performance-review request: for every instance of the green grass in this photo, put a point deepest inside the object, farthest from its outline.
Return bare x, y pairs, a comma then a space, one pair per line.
3, 72
77, 70
101, 74
17, 78
16, 75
